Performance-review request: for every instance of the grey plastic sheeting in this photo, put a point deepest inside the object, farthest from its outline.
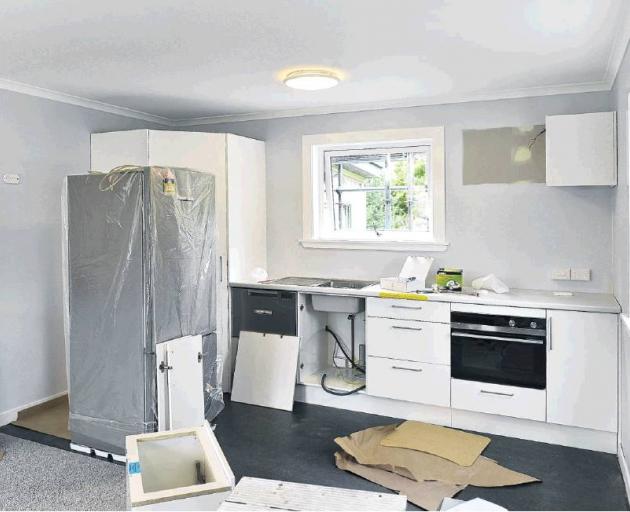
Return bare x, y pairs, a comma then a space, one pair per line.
140, 270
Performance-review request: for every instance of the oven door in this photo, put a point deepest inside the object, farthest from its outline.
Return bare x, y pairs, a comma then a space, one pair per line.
499, 359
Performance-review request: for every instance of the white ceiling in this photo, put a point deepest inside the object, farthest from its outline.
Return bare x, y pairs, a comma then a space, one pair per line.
183, 59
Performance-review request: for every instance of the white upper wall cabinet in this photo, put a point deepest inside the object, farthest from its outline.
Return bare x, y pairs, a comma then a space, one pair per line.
581, 149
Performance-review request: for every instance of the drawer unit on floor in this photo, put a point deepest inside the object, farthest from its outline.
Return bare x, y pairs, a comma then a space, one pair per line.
409, 309
426, 342
512, 401
411, 381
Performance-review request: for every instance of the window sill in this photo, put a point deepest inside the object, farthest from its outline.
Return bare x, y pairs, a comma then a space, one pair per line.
375, 245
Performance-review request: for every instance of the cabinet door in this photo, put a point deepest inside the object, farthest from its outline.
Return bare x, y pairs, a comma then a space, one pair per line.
581, 149
180, 383
582, 370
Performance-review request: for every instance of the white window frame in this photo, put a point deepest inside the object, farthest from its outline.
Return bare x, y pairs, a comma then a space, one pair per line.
314, 148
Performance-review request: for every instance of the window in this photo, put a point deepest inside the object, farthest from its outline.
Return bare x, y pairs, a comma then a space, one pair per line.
375, 190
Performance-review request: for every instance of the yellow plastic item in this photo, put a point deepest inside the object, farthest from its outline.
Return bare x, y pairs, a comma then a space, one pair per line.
401, 295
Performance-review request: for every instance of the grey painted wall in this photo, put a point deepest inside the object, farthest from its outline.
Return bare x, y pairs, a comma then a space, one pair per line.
519, 232
43, 141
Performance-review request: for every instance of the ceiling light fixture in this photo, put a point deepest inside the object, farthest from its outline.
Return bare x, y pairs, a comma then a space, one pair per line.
311, 79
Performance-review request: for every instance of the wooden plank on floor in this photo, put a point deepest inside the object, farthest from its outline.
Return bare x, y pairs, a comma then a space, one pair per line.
261, 494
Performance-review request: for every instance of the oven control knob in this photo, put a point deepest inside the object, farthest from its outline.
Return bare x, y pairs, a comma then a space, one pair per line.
533, 325
512, 323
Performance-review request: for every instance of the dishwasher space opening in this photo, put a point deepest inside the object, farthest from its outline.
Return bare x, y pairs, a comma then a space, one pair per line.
328, 326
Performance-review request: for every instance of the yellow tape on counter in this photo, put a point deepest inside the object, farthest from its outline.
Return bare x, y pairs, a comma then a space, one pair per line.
401, 295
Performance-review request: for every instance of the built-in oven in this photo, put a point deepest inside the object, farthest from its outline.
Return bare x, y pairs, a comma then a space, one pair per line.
499, 348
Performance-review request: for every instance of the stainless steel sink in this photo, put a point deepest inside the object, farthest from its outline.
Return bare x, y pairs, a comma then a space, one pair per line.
321, 282
345, 283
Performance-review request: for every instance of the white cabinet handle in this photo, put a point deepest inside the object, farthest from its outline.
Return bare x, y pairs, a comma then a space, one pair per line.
408, 369
406, 328
396, 306
486, 392
550, 332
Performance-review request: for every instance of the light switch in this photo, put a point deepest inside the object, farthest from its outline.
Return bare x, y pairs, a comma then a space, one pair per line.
580, 274
561, 274
11, 179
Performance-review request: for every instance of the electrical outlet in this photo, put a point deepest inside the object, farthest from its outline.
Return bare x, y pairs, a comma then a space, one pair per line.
11, 179
561, 274
580, 274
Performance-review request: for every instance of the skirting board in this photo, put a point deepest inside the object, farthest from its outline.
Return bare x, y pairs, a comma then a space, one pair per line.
625, 472
11, 415
478, 422
360, 402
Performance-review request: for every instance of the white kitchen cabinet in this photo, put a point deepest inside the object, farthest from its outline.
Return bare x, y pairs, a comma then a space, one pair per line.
180, 383
582, 369
409, 309
411, 381
238, 164
581, 149
427, 342
498, 399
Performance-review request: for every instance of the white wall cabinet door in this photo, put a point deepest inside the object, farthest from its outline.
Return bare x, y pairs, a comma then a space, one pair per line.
582, 369
581, 149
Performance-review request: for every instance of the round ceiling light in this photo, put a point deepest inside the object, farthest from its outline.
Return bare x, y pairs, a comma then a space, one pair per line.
311, 79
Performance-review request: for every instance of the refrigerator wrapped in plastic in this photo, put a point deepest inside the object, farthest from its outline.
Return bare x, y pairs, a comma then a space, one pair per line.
139, 247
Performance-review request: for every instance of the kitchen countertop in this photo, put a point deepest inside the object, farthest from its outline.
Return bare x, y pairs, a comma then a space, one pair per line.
579, 301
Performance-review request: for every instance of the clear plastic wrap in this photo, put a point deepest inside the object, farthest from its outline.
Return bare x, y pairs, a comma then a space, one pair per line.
140, 246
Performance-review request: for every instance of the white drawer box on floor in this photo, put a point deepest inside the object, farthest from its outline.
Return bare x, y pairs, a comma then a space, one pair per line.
409, 309
426, 342
182, 469
498, 399
411, 381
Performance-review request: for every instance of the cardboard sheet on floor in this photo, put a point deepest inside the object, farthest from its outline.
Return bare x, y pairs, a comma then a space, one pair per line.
460, 447
425, 494
365, 446
265, 370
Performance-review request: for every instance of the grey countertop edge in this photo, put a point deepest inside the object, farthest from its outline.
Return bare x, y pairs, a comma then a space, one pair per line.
539, 299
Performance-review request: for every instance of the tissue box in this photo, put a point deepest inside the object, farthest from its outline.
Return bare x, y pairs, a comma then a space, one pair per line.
401, 284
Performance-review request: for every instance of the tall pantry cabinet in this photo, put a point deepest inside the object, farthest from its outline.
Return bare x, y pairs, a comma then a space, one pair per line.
238, 164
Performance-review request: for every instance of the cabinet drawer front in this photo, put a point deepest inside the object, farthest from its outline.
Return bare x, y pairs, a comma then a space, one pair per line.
498, 399
409, 309
408, 339
408, 380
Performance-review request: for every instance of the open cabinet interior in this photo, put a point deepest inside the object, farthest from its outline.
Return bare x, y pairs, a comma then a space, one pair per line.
332, 332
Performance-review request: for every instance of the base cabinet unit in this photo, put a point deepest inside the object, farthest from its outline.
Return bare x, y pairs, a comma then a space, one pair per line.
409, 351
511, 401
411, 381
582, 369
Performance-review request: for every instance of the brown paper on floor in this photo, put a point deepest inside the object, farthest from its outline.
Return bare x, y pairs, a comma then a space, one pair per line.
365, 447
460, 447
427, 495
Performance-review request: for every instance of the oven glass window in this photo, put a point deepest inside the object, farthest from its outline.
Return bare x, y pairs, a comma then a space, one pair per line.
497, 361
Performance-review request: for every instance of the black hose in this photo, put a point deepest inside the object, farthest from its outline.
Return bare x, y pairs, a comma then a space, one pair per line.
340, 345
354, 365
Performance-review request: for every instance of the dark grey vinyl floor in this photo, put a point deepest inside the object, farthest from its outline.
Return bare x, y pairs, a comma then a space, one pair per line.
299, 447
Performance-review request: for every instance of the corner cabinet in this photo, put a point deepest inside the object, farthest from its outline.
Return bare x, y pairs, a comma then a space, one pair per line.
582, 369
238, 164
581, 149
